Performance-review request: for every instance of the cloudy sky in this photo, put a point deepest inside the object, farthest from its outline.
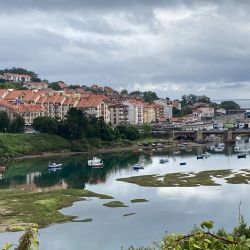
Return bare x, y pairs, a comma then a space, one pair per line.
172, 47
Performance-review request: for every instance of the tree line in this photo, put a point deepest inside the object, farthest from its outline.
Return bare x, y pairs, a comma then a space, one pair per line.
78, 125
14, 126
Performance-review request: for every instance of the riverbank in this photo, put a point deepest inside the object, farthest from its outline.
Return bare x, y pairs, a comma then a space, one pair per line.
22, 146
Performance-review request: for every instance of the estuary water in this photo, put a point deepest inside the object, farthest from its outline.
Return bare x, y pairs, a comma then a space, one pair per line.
169, 209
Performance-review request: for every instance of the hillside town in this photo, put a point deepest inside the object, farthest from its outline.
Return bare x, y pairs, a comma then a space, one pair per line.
38, 99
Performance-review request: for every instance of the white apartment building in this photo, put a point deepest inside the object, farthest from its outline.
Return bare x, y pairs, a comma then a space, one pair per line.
168, 108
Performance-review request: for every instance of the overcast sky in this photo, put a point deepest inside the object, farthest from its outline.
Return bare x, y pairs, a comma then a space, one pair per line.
171, 47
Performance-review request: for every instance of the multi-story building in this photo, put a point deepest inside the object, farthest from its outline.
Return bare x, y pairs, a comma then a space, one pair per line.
94, 106
68, 104
17, 77
28, 111
167, 108
135, 111
203, 112
118, 114
36, 85
149, 115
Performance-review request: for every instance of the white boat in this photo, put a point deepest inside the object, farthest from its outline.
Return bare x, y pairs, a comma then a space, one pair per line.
206, 154
241, 150
95, 162
55, 165
219, 149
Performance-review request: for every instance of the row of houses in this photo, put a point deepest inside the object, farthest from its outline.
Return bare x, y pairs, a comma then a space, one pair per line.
15, 77
31, 104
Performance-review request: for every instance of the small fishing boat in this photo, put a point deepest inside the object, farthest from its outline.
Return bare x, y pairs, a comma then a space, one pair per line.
199, 157
163, 160
176, 152
55, 165
183, 163
241, 150
95, 162
138, 167
206, 154
241, 156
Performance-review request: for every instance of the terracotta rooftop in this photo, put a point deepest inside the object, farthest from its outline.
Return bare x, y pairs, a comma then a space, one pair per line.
22, 107
14, 94
89, 102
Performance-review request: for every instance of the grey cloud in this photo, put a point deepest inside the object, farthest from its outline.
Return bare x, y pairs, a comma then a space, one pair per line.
178, 46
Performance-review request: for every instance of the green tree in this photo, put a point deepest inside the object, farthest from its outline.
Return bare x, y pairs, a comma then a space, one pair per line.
188, 100
17, 125
55, 86
146, 130
128, 132
186, 111
176, 112
45, 124
149, 96
230, 105
4, 121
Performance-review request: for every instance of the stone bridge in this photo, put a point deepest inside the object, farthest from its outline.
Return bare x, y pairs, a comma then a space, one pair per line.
200, 135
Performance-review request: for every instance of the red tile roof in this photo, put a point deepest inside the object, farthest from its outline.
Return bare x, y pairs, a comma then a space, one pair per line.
89, 102
22, 107
14, 94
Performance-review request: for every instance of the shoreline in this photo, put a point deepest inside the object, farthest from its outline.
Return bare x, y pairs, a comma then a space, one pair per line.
103, 150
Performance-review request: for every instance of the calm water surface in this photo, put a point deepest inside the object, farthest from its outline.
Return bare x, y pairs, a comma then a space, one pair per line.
171, 209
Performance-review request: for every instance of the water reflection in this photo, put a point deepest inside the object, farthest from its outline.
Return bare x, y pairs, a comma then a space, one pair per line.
33, 173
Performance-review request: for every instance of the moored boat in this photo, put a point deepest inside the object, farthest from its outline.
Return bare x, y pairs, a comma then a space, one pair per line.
55, 165
138, 167
183, 163
95, 162
242, 156
206, 154
163, 160
176, 152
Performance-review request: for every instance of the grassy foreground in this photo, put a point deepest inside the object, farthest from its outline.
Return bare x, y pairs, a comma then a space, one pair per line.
19, 208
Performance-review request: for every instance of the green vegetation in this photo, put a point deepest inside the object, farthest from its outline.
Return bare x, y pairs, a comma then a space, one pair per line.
138, 200
15, 126
191, 179
202, 238
45, 124
77, 126
14, 145
229, 105
55, 86
128, 132
186, 110
147, 96
20, 144
10, 85
114, 204
24, 207
29, 240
